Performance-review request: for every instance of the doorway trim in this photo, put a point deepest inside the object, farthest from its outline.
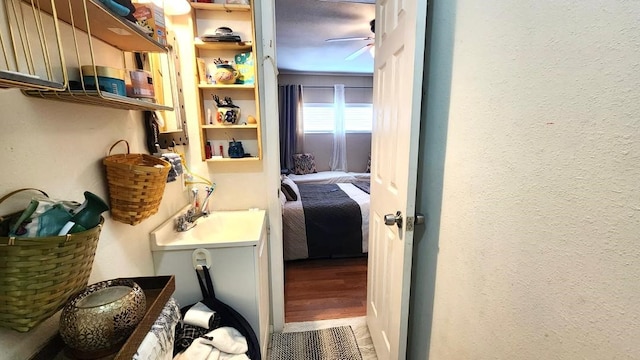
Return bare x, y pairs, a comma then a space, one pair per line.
268, 87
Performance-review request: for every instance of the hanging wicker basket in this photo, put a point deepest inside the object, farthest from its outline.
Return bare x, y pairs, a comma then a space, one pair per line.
136, 184
39, 274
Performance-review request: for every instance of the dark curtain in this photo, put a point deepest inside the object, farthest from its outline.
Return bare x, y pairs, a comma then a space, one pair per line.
290, 108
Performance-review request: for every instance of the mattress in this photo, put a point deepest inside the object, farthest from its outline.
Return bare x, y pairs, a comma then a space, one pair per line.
361, 176
305, 236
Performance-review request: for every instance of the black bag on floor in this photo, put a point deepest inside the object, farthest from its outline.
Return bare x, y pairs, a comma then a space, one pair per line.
228, 316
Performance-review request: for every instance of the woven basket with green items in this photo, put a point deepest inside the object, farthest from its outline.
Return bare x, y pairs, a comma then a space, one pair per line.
46, 256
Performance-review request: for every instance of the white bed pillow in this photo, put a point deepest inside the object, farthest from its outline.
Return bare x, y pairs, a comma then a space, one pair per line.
290, 189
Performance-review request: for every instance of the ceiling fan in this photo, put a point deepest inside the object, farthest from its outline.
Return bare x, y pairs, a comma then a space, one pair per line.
370, 46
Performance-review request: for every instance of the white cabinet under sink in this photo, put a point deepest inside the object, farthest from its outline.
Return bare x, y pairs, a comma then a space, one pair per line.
239, 264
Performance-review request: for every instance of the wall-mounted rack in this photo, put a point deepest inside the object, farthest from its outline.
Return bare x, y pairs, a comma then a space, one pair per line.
31, 48
102, 98
89, 20
108, 26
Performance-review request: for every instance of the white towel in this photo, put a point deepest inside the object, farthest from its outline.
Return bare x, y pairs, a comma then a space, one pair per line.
215, 354
198, 350
225, 356
227, 339
199, 315
225, 343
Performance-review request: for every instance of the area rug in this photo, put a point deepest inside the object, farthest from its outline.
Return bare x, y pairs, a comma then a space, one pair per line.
336, 343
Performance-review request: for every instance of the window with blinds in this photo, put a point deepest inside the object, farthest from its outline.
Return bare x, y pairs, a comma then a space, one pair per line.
319, 117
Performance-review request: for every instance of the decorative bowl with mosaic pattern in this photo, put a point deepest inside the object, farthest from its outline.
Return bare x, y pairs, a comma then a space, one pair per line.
97, 321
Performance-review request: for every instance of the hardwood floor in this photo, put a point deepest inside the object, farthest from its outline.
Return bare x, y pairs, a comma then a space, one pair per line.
325, 289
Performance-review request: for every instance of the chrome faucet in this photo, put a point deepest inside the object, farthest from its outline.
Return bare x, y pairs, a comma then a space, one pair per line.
187, 220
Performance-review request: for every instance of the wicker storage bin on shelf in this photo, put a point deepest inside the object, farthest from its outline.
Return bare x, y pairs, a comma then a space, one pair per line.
38, 275
136, 184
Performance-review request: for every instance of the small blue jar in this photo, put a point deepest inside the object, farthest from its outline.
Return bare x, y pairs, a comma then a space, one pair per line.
235, 149
111, 79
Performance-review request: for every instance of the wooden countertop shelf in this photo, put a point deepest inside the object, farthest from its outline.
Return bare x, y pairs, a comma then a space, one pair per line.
221, 127
220, 45
222, 86
227, 159
157, 289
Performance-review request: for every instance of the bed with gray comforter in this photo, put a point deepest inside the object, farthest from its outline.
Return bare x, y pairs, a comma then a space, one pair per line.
327, 220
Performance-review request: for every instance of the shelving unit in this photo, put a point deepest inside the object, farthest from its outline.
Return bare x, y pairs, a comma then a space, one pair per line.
207, 17
32, 56
96, 21
109, 27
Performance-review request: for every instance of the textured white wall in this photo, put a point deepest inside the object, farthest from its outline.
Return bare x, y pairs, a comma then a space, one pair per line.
538, 244
59, 147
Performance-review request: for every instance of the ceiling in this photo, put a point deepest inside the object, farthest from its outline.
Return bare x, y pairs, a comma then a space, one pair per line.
302, 26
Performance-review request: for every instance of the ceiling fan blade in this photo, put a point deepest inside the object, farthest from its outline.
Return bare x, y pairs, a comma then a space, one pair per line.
350, 39
358, 52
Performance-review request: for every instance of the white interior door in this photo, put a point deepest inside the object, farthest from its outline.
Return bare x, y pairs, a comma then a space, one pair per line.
400, 42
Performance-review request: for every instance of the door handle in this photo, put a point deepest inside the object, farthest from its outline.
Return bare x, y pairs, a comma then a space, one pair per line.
391, 219
396, 219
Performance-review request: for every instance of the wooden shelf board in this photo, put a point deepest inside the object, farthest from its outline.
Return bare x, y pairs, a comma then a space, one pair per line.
104, 24
226, 159
221, 127
222, 86
104, 99
212, 45
220, 7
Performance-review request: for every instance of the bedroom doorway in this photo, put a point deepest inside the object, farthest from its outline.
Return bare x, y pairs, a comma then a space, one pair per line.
328, 287
325, 213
